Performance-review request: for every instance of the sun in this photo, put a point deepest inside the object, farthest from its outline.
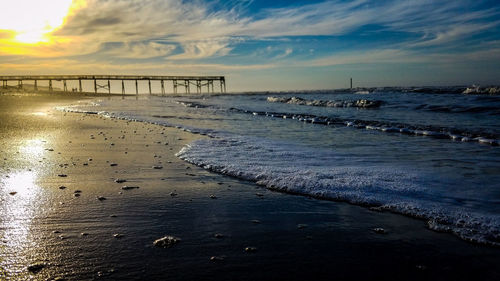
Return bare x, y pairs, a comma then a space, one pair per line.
33, 20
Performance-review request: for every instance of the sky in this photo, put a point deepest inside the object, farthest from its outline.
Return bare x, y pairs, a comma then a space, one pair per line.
258, 44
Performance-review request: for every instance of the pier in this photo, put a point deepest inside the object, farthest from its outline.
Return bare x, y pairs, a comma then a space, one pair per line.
100, 83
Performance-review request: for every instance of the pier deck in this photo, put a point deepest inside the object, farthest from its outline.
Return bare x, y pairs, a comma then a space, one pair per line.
200, 83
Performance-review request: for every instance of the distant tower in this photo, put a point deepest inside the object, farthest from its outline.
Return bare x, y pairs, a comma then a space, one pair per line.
351, 83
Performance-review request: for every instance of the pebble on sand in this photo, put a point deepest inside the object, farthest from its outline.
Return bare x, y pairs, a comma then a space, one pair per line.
216, 258
126, 187
218, 235
166, 242
62, 175
62, 187
213, 196
250, 249
35, 268
173, 194
379, 230
157, 167
84, 234
113, 164
301, 225
255, 221
101, 198
120, 180
13, 193
118, 235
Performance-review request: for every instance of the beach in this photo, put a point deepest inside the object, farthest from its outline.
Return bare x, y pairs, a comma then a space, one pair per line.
84, 196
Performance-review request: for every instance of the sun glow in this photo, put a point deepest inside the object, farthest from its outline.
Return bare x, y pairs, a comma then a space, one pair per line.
31, 21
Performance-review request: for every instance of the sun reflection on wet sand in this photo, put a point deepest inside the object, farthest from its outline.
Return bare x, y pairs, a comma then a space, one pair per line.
19, 205
20, 201
33, 149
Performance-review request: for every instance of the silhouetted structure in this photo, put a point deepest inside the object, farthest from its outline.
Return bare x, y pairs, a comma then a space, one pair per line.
200, 82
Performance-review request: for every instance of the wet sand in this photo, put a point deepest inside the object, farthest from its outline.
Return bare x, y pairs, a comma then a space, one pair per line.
107, 233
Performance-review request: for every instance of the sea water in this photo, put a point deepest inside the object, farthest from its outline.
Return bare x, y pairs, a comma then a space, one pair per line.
433, 156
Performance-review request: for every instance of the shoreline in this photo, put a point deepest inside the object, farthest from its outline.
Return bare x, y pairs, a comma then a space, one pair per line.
295, 237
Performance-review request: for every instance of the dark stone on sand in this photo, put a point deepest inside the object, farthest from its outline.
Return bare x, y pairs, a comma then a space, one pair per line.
62, 175
166, 242
113, 164
218, 235
101, 198
216, 258
37, 267
62, 187
120, 180
255, 221
379, 230
158, 167
213, 196
126, 187
300, 226
13, 193
250, 249
118, 236
76, 194
173, 194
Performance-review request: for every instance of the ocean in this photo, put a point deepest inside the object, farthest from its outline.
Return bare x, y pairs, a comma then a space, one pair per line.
428, 154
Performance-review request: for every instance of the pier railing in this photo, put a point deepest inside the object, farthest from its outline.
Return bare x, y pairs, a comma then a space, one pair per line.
199, 83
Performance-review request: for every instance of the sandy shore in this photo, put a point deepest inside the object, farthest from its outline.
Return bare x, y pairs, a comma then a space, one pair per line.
63, 214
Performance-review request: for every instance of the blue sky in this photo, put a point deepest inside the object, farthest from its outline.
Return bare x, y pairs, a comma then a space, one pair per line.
277, 45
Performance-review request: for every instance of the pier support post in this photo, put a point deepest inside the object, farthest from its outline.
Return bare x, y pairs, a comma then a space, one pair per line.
35, 87
162, 88
80, 84
65, 88
149, 83
186, 85
123, 88
198, 86
174, 83
20, 84
109, 87
95, 86
212, 83
50, 86
136, 88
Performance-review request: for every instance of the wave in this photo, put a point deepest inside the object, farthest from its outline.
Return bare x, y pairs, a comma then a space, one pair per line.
492, 110
454, 134
388, 127
477, 90
319, 174
300, 101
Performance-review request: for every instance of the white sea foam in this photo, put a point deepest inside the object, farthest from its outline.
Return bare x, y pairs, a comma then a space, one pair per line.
324, 175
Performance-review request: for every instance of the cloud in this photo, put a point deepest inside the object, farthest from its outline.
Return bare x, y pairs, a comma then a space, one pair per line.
140, 50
